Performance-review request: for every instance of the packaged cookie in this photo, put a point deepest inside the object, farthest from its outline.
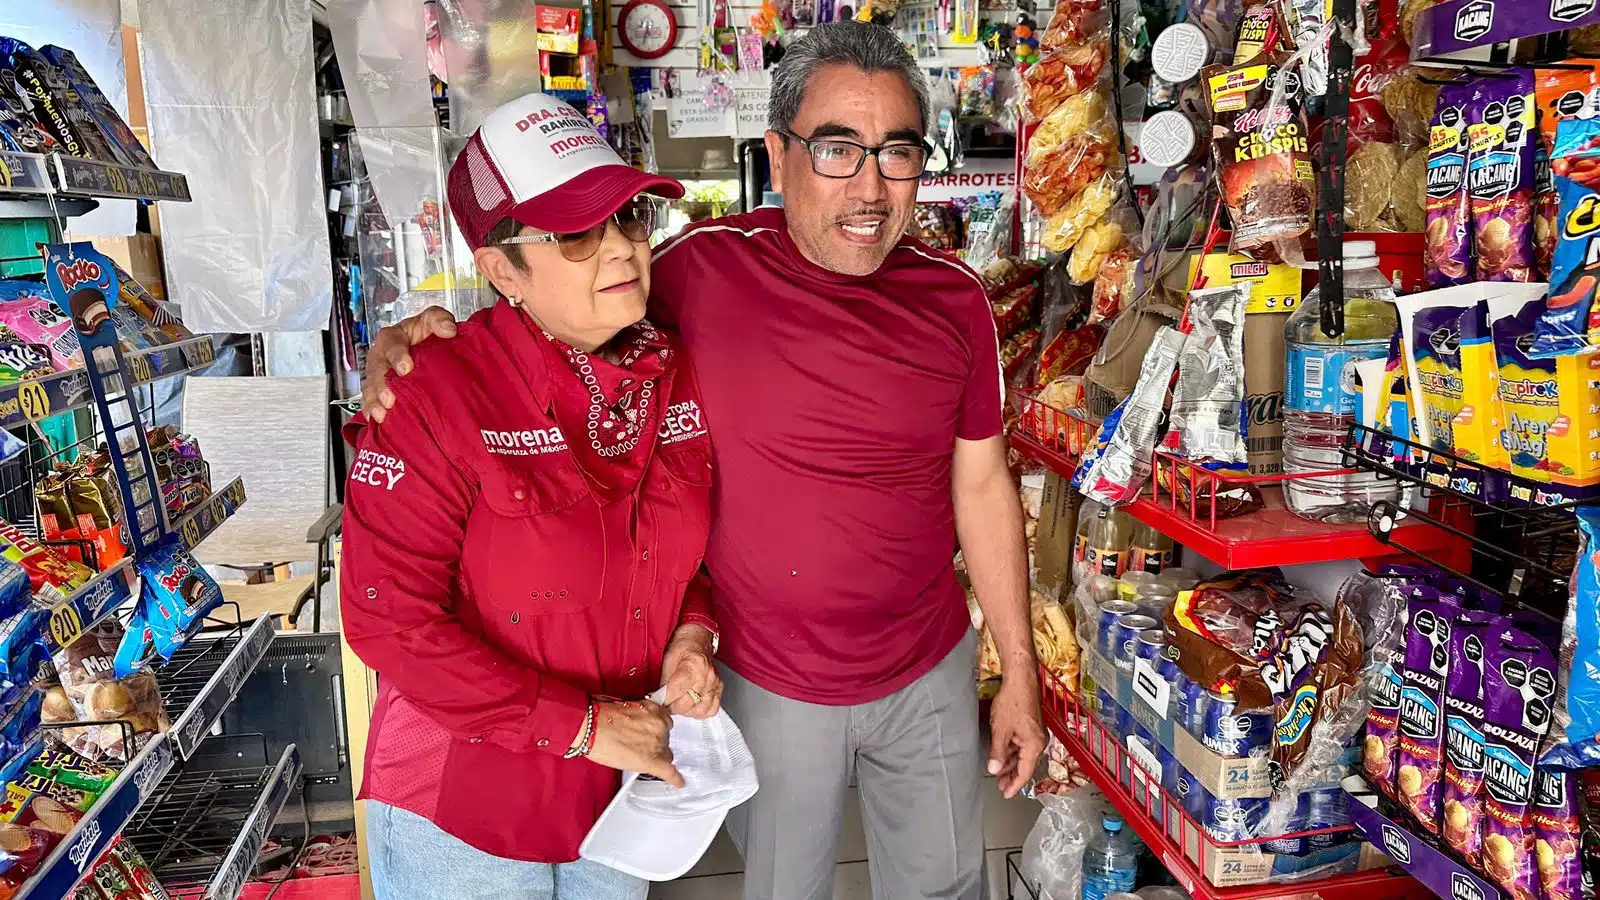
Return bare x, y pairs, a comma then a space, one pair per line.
1501, 135
1447, 250
87, 672
55, 105
1557, 833
1519, 684
1419, 756
1262, 152
1462, 792
123, 142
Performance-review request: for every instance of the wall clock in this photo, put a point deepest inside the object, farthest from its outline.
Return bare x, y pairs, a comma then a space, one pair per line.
648, 29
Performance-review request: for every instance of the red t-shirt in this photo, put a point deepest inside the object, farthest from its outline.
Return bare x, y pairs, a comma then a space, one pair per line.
834, 404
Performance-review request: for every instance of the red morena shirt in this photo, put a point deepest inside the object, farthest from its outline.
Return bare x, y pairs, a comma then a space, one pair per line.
835, 403
495, 590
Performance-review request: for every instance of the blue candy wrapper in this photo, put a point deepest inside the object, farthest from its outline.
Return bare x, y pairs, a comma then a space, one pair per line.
15, 589
175, 596
1571, 320
1581, 631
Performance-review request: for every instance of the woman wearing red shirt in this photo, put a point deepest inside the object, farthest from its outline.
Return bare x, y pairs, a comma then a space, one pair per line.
523, 535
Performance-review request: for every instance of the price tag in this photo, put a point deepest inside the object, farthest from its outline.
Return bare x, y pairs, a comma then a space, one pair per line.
33, 400
1151, 689
66, 625
1143, 757
191, 532
139, 366
119, 181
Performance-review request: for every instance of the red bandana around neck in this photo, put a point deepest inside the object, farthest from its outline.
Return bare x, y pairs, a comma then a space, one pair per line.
619, 402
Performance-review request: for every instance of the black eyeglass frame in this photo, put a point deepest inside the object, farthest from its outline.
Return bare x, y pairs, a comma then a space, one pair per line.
807, 143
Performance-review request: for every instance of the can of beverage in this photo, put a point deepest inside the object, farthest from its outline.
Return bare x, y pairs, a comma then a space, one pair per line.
1105, 707
1230, 820
1130, 583
1127, 638
1189, 793
1227, 731
1151, 642
1190, 705
1180, 578
1106, 635
1167, 668
1169, 771
1325, 809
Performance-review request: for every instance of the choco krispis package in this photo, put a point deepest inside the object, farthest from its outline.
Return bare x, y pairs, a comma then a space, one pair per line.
1501, 138
1447, 256
1262, 150
1519, 684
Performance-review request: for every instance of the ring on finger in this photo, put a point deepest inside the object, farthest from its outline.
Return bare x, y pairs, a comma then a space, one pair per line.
694, 696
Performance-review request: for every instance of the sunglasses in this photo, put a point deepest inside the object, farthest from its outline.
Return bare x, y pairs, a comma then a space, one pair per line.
636, 220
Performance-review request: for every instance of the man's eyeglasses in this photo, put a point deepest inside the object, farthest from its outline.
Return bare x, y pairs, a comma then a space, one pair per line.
637, 220
834, 158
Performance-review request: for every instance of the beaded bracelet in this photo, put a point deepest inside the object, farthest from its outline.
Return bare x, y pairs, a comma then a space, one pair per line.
585, 736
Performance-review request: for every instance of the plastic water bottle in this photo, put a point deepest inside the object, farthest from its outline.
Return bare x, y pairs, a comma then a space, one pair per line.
1110, 862
1320, 397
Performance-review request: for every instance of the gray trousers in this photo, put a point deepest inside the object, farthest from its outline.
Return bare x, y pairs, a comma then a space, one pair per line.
917, 763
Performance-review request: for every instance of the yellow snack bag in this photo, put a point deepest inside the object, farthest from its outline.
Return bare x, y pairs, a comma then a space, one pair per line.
1436, 346
1552, 411
1476, 430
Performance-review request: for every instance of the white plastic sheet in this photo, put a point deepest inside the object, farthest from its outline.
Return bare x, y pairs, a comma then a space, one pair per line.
232, 105
92, 29
491, 51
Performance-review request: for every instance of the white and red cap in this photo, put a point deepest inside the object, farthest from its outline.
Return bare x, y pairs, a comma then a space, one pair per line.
543, 163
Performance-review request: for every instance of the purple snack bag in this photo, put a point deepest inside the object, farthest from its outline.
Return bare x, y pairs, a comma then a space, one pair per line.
1447, 247
1461, 800
1557, 833
1519, 683
1502, 133
1419, 759
1383, 715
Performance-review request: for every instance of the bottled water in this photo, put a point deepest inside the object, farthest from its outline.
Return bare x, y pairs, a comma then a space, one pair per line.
1320, 397
1110, 861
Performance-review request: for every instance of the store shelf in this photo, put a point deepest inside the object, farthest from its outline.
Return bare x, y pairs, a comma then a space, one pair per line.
77, 852
1180, 844
24, 173
1455, 28
199, 523
203, 678
1434, 868
205, 831
35, 398
76, 176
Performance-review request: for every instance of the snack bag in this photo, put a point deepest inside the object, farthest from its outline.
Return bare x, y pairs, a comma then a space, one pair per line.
124, 144
1519, 683
1557, 833
1207, 422
1262, 152
1552, 405
1072, 148
1259, 32
1061, 73
1418, 760
56, 107
1118, 473
1501, 136
1560, 94
26, 308
1383, 730
175, 596
1582, 701
19, 130
1461, 797
1437, 347
1475, 431
138, 871
52, 576
1571, 321
87, 669
1447, 256
71, 769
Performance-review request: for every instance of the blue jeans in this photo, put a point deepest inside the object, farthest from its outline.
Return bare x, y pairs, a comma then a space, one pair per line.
412, 858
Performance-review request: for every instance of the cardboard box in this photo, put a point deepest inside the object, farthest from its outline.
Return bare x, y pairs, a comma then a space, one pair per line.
1057, 528
140, 256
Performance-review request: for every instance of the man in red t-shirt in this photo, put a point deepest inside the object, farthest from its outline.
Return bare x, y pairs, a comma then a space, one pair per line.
852, 385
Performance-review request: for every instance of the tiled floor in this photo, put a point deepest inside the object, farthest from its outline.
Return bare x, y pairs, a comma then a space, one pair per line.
718, 876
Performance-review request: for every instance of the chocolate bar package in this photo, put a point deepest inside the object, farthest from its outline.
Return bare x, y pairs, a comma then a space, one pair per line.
1519, 684
1419, 759
1462, 795
1501, 138
55, 105
124, 143
19, 131
1557, 833
1447, 252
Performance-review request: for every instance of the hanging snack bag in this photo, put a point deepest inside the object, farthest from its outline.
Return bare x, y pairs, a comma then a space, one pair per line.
123, 142
1582, 624
1551, 406
1560, 94
55, 105
1447, 254
1437, 346
1207, 422
177, 593
1519, 683
1501, 136
1059, 74
1262, 152
1259, 32
1117, 472
1571, 321
1073, 147
1419, 759
1557, 833
1462, 794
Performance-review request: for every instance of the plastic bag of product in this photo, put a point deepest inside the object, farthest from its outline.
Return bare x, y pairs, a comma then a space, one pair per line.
1065, 72
1207, 423
1073, 22
1072, 148
1063, 230
1116, 468
986, 221
1262, 151
1448, 237
1052, 856
1575, 737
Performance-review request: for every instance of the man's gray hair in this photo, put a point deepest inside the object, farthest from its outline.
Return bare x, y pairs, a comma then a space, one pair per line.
870, 48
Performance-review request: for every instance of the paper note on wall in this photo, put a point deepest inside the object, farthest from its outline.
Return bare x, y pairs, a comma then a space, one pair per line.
689, 117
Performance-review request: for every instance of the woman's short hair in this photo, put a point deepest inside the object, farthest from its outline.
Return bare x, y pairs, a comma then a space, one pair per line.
499, 234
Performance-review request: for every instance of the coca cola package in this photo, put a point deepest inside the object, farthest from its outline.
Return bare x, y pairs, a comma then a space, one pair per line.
1519, 684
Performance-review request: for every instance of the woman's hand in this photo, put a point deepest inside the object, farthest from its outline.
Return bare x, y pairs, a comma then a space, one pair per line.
391, 351
692, 686
632, 735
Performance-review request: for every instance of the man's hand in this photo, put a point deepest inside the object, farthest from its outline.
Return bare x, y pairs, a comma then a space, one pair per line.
1018, 732
391, 351
693, 687
631, 735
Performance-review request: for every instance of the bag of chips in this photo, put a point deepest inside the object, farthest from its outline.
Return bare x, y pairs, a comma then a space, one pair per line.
1571, 320
176, 595
1501, 137
1447, 256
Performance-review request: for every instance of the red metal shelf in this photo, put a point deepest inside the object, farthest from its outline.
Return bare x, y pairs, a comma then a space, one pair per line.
1072, 725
